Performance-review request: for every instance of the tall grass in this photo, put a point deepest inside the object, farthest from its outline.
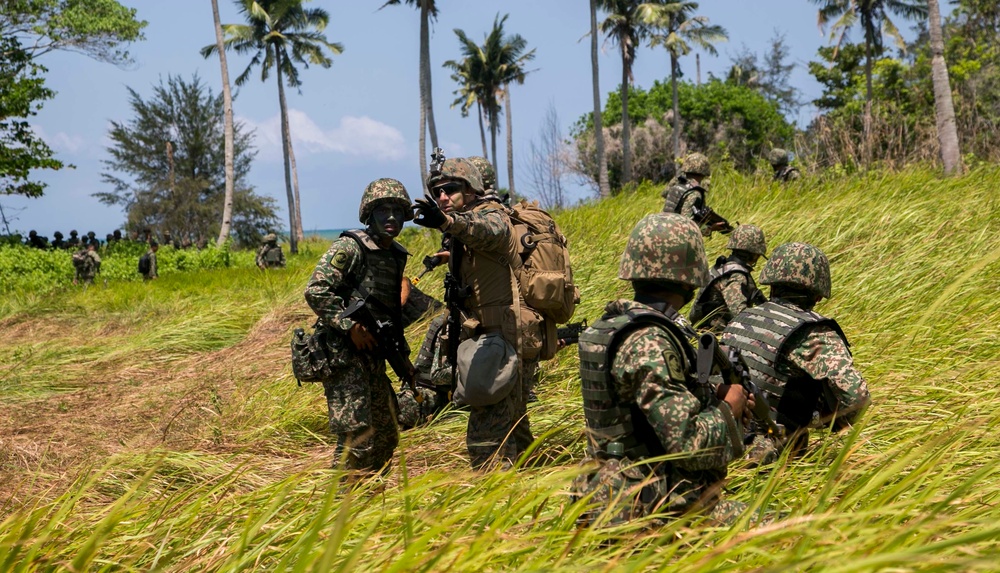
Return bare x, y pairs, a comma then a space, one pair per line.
230, 470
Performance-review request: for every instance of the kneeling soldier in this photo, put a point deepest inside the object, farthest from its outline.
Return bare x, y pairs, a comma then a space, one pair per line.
731, 287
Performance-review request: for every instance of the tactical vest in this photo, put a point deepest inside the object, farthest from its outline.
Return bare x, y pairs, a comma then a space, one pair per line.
488, 274
709, 299
761, 334
272, 257
611, 418
786, 173
382, 274
677, 193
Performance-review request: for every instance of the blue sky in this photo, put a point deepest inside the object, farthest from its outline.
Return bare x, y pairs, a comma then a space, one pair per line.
358, 120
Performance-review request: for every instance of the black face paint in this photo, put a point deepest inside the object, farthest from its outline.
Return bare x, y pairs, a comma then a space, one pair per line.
387, 220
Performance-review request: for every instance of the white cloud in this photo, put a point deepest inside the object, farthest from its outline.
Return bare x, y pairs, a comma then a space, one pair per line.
355, 136
61, 141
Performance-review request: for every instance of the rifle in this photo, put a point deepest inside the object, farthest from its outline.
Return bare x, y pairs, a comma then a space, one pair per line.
430, 263
454, 294
389, 339
704, 215
570, 334
735, 371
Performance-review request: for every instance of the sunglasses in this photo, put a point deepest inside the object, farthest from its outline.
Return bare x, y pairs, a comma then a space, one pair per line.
451, 188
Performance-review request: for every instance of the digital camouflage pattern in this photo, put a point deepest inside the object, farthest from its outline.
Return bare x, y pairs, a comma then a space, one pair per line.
270, 255
653, 371
486, 172
749, 238
787, 173
413, 414
665, 246
697, 164
799, 265
381, 191
270, 238
90, 266
778, 157
461, 169
730, 290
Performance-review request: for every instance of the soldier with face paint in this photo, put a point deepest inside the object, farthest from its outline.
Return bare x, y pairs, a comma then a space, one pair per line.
366, 263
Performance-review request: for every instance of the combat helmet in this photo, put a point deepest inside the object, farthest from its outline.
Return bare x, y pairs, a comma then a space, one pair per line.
58, 234
380, 191
270, 238
778, 157
799, 265
748, 238
486, 172
668, 247
458, 168
697, 164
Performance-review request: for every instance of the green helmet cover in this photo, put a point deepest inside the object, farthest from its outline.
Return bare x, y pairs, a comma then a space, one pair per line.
381, 191
697, 164
461, 169
800, 265
668, 247
778, 157
749, 238
486, 172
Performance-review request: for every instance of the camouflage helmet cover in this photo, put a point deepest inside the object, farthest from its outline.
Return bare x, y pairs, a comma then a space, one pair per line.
778, 157
458, 168
381, 191
665, 246
749, 238
697, 164
800, 265
270, 238
486, 172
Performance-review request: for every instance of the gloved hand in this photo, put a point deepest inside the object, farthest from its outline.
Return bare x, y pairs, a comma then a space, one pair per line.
426, 213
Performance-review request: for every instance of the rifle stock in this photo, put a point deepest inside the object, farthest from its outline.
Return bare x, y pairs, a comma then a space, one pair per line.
570, 334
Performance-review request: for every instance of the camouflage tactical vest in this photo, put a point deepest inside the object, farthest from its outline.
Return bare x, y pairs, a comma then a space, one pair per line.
709, 299
272, 257
677, 193
382, 274
611, 418
761, 334
489, 274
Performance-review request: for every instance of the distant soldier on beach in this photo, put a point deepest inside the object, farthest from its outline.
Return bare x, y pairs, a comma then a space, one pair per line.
269, 254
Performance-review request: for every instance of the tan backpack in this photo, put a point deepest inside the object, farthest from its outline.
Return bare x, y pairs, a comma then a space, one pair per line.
545, 276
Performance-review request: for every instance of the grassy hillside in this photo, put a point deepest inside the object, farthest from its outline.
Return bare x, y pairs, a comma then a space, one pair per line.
157, 426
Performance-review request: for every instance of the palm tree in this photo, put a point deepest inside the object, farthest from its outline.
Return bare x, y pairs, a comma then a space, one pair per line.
464, 73
875, 23
227, 111
428, 11
602, 161
944, 109
280, 34
676, 29
624, 28
485, 73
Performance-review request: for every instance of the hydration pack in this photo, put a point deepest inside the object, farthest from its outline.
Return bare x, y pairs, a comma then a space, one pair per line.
545, 275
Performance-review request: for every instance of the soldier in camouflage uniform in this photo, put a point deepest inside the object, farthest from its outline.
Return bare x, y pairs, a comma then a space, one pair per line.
641, 395
270, 255
688, 192
362, 263
73, 241
799, 358
485, 248
433, 379
731, 287
58, 242
89, 267
779, 162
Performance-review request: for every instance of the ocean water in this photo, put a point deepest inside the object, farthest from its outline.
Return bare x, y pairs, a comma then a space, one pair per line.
325, 234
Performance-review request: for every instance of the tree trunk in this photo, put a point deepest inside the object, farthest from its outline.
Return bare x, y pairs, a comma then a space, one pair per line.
944, 109
604, 188
227, 110
493, 141
510, 144
423, 92
677, 107
286, 140
482, 130
626, 151
295, 185
425, 69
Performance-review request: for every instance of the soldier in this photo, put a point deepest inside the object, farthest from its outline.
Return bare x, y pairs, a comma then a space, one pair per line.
687, 195
779, 162
73, 241
148, 268
360, 400
92, 238
87, 264
58, 242
799, 358
433, 379
37, 241
642, 398
494, 318
116, 236
731, 287
270, 255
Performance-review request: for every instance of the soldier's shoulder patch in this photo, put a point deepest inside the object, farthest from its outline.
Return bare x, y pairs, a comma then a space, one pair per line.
339, 260
674, 366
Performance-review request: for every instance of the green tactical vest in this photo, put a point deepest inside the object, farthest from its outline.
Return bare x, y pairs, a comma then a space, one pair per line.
677, 193
761, 334
611, 418
273, 256
382, 274
708, 301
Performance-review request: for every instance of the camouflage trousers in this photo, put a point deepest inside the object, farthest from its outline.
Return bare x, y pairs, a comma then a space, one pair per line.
362, 409
496, 435
413, 414
621, 492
